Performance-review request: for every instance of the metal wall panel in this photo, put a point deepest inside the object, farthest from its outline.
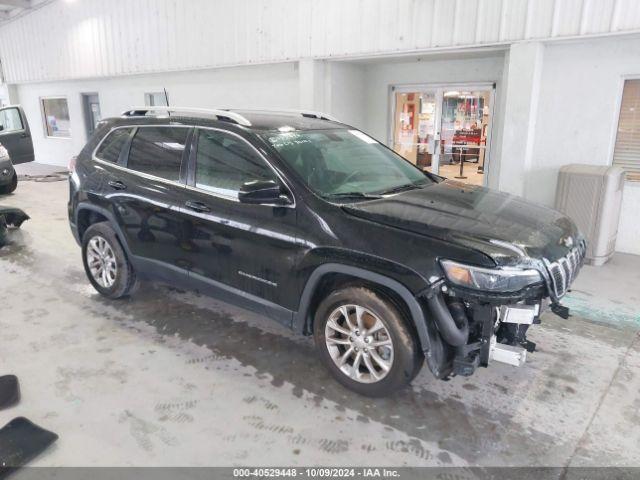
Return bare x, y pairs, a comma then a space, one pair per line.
95, 38
514, 17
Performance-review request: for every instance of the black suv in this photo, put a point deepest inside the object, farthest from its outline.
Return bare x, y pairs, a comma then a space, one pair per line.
317, 225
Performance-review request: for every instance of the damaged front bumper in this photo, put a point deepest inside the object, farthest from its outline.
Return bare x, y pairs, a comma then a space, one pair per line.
477, 327
485, 332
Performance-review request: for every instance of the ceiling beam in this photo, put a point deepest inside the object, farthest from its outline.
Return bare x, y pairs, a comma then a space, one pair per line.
17, 3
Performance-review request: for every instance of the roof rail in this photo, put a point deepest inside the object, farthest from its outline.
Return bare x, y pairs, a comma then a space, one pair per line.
219, 114
304, 113
312, 113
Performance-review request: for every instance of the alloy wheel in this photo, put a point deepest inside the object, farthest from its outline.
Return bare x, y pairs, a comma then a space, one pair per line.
359, 343
102, 262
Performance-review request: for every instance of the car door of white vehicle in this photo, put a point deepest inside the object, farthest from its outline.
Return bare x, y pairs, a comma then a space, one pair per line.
15, 134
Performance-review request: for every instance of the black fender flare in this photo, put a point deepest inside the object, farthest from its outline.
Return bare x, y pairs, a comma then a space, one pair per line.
110, 218
302, 317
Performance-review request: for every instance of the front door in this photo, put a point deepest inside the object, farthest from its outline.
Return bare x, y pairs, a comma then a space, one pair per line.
251, 249
15, 134
444, 129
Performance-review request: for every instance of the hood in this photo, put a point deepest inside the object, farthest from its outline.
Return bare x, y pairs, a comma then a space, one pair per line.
505, 227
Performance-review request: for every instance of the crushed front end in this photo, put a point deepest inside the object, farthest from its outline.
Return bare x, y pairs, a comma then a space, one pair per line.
483, 314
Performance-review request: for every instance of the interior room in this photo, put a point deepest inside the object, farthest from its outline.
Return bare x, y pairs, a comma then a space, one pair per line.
277, 238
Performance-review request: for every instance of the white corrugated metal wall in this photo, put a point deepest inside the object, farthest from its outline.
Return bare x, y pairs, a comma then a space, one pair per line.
96, 38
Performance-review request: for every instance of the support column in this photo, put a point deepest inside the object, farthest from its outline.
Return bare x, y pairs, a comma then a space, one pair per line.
12, 91
9, 94
524, 71
312, 84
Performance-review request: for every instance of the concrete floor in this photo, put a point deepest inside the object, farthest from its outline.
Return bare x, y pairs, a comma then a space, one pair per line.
171, 378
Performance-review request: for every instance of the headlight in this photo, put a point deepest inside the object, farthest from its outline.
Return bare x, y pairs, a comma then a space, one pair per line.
492, 279
3, 152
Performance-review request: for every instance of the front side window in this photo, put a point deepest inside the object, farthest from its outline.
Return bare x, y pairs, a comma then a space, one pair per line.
56, 117
158, 151
224, 162
111, 147
10, 120
342, 162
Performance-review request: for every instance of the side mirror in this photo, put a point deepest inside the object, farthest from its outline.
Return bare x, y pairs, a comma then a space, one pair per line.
258, 192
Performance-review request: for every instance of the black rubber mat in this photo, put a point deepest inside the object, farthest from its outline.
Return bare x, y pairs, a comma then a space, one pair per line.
9, 391
20, 441
13, 217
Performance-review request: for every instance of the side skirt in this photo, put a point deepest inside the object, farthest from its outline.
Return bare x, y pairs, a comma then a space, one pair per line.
154, 270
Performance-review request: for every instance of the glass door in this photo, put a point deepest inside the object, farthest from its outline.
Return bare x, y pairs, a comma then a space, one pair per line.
416, 126
445, 130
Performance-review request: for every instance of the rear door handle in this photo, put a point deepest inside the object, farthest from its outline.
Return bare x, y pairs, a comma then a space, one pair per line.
197, 207
117, 185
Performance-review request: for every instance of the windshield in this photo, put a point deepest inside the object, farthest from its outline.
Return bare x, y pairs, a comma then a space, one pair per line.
346, 163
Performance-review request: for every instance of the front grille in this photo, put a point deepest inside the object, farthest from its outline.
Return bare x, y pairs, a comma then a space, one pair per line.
564, 270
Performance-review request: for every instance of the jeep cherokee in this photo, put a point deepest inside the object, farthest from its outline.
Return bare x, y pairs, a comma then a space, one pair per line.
315, 224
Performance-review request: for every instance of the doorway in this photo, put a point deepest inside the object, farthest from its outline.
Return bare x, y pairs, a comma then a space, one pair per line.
92, 114
444, 129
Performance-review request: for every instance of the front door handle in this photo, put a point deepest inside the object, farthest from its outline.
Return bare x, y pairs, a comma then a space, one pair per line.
117, 185
197, 207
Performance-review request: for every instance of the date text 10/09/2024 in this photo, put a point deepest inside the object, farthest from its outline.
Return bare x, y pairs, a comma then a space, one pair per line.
317, 472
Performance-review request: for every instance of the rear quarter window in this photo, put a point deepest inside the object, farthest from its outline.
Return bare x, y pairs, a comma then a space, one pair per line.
109, 150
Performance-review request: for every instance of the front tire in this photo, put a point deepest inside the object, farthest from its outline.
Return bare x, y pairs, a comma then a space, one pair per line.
106, 263
365, 342
11, 187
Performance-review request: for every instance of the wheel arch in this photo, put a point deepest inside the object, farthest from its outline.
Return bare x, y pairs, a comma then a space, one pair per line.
328, 273
88, 214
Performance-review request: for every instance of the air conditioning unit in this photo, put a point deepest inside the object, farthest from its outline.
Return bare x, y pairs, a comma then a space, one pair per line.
591, 195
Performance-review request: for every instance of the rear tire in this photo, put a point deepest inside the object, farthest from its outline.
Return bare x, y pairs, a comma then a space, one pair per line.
370, 350
11, 187
106, 263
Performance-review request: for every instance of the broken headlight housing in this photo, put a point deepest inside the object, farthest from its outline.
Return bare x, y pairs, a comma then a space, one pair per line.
490, 279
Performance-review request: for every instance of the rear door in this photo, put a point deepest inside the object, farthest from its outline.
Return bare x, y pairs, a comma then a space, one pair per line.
146, 192
250, 248
15, 134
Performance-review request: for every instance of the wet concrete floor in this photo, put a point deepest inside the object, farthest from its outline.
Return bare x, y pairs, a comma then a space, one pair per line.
173, 378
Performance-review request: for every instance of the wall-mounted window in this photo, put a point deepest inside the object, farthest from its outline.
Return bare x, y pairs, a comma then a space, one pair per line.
55, 112
627, 152
155, 99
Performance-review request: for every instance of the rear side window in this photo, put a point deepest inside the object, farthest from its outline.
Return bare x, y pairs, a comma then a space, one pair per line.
224, 162
10, 120
158, 151
110, 148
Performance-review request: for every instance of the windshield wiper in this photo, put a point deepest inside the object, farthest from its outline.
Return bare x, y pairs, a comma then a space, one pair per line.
367, 196
401, 188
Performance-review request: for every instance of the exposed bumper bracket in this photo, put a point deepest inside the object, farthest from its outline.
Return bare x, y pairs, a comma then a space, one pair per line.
509, 354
